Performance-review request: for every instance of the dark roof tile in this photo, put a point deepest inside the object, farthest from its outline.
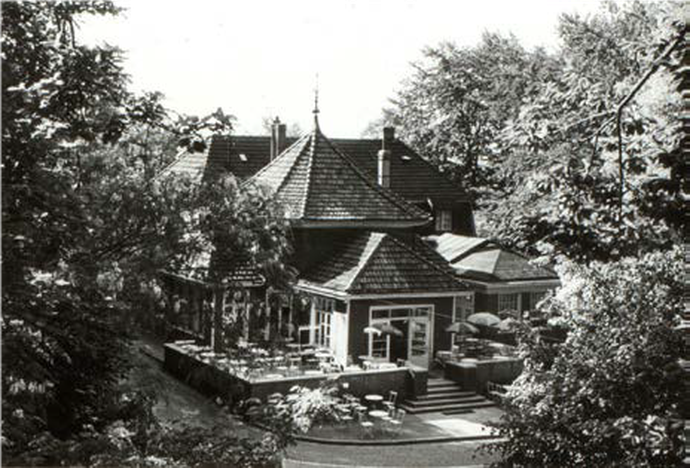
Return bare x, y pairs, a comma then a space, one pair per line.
380, 263
321, 185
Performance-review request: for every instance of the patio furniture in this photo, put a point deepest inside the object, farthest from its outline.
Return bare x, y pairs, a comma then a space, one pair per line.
392, 400
378, 414
396, 421
367, 429
495, 391
373, 400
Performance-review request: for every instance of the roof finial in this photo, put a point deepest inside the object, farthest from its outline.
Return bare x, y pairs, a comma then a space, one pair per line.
316, 102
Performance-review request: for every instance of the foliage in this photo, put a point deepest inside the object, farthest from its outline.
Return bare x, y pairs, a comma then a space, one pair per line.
302, 407
607, 395
459, 99
85, 227
559, 191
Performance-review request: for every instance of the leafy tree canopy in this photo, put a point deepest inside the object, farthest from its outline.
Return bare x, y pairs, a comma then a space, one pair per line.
607, 395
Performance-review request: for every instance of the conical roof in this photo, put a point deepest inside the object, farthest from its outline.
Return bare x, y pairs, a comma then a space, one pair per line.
322, 187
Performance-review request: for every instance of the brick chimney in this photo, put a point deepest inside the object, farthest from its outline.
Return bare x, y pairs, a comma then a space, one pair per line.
278, 138
384, 157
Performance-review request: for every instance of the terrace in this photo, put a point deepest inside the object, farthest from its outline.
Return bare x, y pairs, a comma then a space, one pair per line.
254, 371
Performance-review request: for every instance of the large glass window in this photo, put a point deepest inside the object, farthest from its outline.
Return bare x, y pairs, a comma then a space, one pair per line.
322, 325
379, 346
508, 302
535, 298
464, 307
322, 333
444, 221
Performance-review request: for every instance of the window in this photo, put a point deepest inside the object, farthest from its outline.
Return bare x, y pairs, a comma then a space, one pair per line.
322, 333
535, 297
508, 302
379, 346
444, 221
464, 307
323, 309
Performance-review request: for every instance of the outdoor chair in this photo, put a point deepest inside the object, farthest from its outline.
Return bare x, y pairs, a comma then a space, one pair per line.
367, 429
495, 391
392, 399
396, 422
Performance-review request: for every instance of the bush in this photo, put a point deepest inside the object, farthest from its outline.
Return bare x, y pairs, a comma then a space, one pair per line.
606, 396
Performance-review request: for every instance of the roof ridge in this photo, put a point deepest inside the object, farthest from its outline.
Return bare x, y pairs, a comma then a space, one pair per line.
180, 154
363, 262
471, 250
386, 192
310, 163
411, 250
271, 163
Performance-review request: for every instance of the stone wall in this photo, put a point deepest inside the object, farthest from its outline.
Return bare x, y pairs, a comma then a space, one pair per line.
474, 375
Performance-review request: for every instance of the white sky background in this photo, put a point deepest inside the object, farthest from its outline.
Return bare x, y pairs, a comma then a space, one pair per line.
257, 58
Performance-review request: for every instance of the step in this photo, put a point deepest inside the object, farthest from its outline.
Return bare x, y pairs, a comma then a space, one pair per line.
442, 408
443, 389
436, 382
448, 401
441, 395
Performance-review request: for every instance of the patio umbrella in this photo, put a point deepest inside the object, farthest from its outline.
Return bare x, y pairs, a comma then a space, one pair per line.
484, 319
388, 329
462, 327
508, 324
372, 331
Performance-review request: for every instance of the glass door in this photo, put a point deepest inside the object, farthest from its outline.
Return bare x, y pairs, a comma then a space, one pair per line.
419, 341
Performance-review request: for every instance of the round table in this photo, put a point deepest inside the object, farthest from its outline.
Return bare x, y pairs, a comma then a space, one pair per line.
378, 414
373, 399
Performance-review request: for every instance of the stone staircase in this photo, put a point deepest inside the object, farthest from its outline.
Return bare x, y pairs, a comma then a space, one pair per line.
445, 396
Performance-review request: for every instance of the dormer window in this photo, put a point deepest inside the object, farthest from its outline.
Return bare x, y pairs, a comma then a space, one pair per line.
444, 221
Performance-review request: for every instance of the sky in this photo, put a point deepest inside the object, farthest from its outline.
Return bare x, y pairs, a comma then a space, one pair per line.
261, 58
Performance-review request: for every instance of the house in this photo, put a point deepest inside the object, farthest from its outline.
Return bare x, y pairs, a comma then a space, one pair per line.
361, 260
504, 281
358, 210
356, 231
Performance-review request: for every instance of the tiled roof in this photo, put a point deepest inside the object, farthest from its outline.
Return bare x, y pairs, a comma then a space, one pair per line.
485, 260
380, 263
208, 265
411, 176
320, 185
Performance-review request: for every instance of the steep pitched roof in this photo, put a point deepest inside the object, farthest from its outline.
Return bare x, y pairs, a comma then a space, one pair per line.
412, 177
485, 260
320, 185
380, 263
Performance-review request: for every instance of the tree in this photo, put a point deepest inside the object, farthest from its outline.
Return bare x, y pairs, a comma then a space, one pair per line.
458, 100
84, 224
571, 185
607, 396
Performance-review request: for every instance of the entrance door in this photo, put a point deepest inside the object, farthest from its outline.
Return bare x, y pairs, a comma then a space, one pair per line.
419, 341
